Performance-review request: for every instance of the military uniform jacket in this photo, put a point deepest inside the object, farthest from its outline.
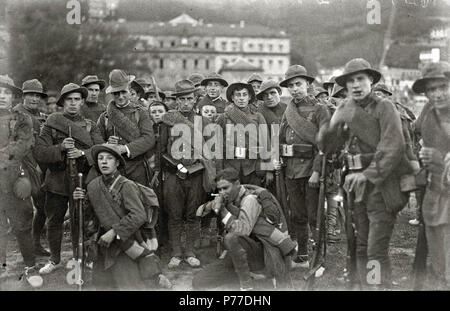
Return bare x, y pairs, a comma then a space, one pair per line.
48, 148
219, 103
92, 111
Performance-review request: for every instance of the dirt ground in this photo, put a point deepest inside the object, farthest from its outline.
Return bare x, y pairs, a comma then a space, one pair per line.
401, 254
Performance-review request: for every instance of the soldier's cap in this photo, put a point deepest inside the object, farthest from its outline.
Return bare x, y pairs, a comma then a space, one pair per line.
136, 86
267, 85
71, 88
337, 90
328, 84
213, 76
33, 86
184, 87
161, 94
254, 77
319, 90
159, 103
91, 79
431, 71
169, 94
7, 82
383, 88
197, 78
51, 100
358, 65
106, 147
295, 71
144, 81
240, 85
118, 81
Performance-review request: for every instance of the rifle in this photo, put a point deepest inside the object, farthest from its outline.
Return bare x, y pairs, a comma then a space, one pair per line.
319, 234
281, 195
72, 172
420, 257
80, 249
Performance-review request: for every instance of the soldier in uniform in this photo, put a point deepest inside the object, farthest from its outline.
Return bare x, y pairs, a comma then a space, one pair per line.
92, 107
128, 126
137, 94
214, 85
434, 126
187, 178
16, 141
33, 93
375, 157
303, 118
64, 146
200, 91
170, 100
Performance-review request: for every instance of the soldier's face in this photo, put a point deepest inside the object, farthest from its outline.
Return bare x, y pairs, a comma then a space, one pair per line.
200, 90
186, 102
73, 102
6, 98
157, 112
271, 97
107, 163
134, 96
359, 86
171, 103
214, 89
122, 98
438, 92
32, 100
151, 98
322, 96
228, 190
209, 112
241, 98
93, 92
256, 85
298, 87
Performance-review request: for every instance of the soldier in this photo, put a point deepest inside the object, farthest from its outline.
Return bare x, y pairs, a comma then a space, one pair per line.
209, 112
272, 109
434, 126
255, 81
33, 93
92, 107
170, 100
137, 94
150, 96
303, 117
246, 160
214, 84
129, 126
328, 85
375, 157
197, 79
186, 178
16, 141
320, 93
63, 145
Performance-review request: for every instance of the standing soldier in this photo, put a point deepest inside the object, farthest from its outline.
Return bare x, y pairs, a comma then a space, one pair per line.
255, 80
16, 141
434, 126
186, 178
214, 84
137, 94
64, 145
170, 101
33, 94
150, 96
129, 126
92, 108
303, 117
200, 91
375, 158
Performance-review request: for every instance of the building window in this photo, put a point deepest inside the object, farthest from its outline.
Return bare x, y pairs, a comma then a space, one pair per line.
250, 60
281, 47
195, 44
280, 63
261, 63
207, 45
261, 47
207, 64
270, 63
172, 44
161, 44
161, 63
250, 45
184, 63
195, 63
234, 46
270, 47
224, 45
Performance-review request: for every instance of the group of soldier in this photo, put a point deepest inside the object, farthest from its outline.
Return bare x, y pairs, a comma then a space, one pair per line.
350, 136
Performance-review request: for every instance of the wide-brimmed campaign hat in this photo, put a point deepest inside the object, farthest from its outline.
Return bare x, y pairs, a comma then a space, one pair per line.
152, 91
328, 84
7, 82
239, 85
71, 88
106, 147
197, 78
383, 88
319, 90
33, 86
431, 71
90, 79
267, 85
118, 81
169, 94
337, 90
357, 65
136, 86
184, 87
214, 77
295, 71
254, 77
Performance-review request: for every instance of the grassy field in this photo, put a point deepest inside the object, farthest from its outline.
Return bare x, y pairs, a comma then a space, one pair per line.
401, 252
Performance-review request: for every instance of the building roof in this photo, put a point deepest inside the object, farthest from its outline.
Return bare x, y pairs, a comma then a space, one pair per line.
188, 26
241, 65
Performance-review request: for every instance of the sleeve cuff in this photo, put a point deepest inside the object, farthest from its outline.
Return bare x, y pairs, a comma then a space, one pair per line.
128, 152
226, 218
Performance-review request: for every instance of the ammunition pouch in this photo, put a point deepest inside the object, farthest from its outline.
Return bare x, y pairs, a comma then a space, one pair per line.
358, 162
301, 151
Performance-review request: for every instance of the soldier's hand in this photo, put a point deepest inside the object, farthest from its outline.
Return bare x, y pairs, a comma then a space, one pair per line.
106, 239
68, 143
354, 180
74, 153
113, 140
79, 194
314, 180
431, 157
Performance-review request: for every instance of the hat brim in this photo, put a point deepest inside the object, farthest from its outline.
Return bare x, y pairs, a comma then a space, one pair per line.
111, 89
420, 84
337, 90
383, 90
326, 85
307, 78
82, 90
44, 95
101, 83
162, 96
14, 89
322, 92
95, 150
261, 92
138, 88
234, 86
221, 81
184, 93
342, 79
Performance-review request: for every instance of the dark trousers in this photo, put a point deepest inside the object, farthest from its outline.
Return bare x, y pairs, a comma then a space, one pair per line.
182, 198
56, 207
39, 217
303, 201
